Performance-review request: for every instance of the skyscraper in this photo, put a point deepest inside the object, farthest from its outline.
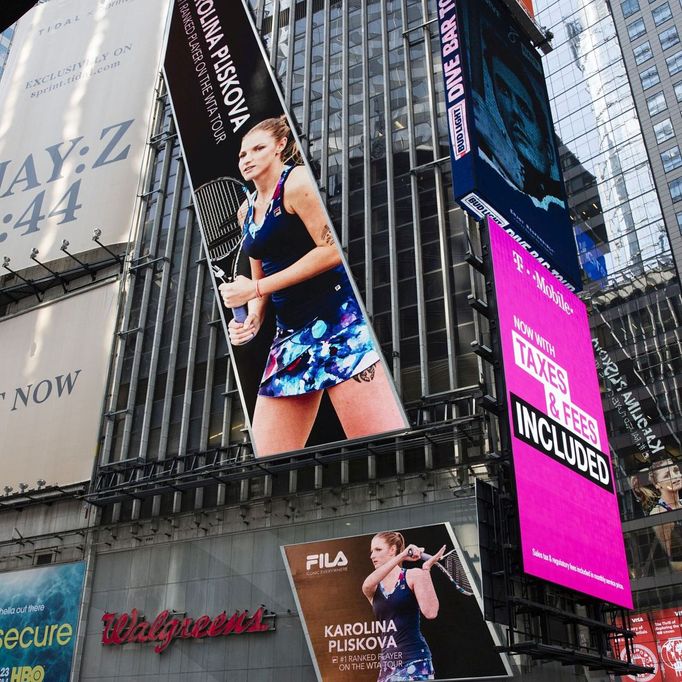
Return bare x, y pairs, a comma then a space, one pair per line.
612, 82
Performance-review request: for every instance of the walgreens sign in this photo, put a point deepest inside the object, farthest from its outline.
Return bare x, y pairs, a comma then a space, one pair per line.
134, 628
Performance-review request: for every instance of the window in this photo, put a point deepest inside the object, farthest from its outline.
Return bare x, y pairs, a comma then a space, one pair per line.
649, 77
636, 29
664, 130
671, 158
679, 220
656, 103
661, 13
642, 52
678, 91
669, 37
674, 63
676, 189
629, 7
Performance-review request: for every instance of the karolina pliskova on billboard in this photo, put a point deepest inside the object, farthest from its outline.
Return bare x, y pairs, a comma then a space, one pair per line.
308, 367
393, 606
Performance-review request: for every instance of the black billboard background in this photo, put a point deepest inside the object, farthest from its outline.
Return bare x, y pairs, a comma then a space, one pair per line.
208, 157
459, 638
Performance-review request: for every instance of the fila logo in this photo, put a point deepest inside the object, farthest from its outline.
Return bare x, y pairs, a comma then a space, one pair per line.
325, 561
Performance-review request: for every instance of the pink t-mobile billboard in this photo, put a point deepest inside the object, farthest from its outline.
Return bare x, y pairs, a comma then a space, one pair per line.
571, 533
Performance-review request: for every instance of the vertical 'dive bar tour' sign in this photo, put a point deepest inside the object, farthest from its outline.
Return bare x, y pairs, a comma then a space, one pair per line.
504, 156
308, 366
568, 511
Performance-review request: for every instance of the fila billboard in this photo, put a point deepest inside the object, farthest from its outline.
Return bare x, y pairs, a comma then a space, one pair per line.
505, 160
398, 604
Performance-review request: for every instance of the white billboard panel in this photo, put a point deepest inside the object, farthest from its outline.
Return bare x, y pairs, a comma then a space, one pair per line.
52, 382
75, 103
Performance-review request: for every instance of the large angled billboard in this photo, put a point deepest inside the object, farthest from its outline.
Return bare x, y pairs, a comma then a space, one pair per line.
570, 525
504, 155
75, 103
297, 329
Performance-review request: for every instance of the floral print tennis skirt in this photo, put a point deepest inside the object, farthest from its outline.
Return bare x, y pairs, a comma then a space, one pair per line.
323, 353
414, 671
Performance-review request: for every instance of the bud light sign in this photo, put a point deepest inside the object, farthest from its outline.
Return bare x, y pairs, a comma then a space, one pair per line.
505, 162
568, 512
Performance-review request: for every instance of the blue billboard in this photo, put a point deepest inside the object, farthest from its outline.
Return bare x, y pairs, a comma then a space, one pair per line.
504, 155
39, 611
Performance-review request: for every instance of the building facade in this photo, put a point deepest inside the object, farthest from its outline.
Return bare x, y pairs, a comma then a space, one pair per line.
177, 515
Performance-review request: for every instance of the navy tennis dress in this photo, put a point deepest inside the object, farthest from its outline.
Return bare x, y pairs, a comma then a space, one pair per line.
322, 338
410, 659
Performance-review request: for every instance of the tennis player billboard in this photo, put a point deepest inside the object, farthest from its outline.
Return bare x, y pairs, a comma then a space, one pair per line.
568, 510
399, 604
39, 612
76, 98
504, 155
308, 366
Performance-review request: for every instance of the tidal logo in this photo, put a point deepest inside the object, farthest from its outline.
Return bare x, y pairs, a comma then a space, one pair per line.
325, 561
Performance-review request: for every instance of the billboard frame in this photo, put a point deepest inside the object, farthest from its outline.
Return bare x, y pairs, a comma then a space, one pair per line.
305, 163
512, 597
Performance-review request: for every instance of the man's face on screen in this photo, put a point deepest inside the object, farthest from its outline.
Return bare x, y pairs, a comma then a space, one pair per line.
515, 104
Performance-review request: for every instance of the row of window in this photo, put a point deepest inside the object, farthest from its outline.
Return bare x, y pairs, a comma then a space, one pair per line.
657, 102
649, 77
668, 38
660, 14
638, 28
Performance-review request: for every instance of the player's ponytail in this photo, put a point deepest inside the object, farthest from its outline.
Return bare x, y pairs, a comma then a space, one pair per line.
393, 539
279, 129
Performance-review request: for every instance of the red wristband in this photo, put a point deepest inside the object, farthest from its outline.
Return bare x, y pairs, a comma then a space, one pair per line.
258, 293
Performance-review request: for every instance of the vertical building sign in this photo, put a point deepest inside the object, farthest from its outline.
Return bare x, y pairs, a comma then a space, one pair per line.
75, 103
258, 204
568, 511
39, 611
504, 156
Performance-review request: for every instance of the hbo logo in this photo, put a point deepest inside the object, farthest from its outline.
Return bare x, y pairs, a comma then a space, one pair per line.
28, 674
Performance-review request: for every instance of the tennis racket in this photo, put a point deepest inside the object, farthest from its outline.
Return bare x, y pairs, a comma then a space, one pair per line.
218, 203
451, 566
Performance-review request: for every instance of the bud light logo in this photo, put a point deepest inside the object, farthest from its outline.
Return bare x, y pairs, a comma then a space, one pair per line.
325, 562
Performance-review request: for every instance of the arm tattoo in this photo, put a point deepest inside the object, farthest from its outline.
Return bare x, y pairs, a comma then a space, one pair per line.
366, 375
327, 236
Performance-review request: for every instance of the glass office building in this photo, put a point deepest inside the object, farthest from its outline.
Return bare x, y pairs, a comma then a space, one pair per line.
617, 115
5, 42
